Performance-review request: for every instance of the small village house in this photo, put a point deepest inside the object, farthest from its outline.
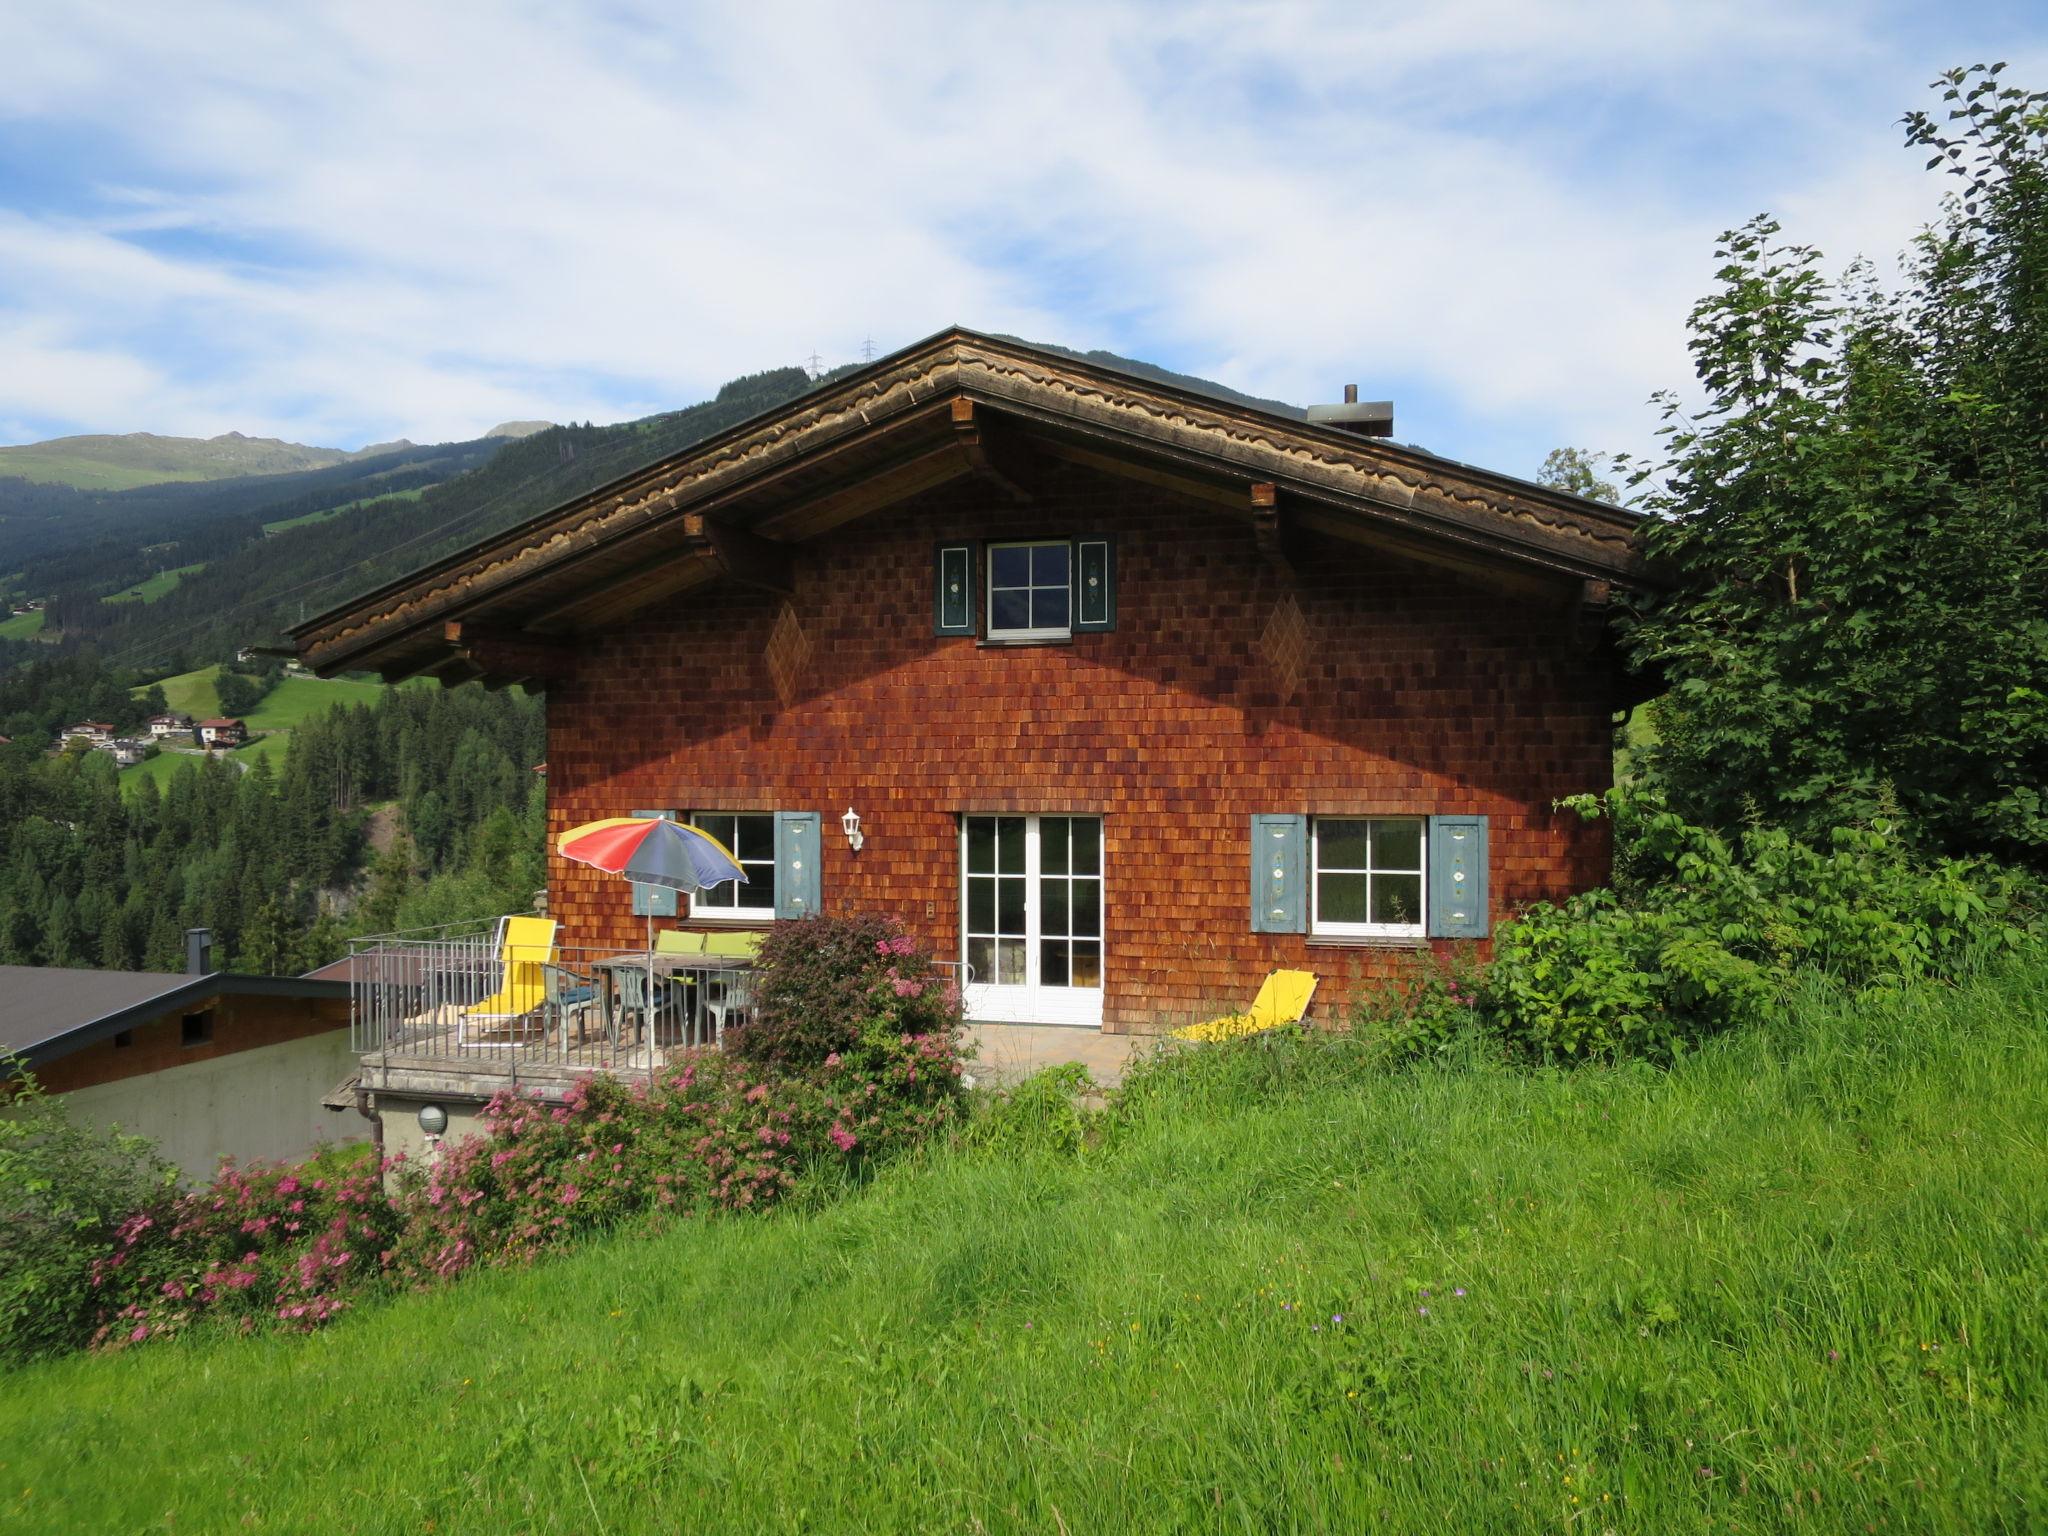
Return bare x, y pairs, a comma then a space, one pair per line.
1116, 694
207, 1064
222, 733
93, 731
173, 724
126, 751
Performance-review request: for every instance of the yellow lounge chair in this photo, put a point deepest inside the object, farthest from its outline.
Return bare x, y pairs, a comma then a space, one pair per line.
671, 941
525, 946
1283, 999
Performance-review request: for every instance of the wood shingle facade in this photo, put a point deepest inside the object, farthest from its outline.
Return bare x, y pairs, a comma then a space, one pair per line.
1228, 690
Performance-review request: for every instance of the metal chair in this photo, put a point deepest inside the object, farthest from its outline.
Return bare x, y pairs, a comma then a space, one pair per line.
569, 994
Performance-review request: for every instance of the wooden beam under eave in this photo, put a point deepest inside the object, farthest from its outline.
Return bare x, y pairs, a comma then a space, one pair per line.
602, 606
1511, 580
811, 516
744, 556
512, 655
1270, 527
994, 452
1218, 494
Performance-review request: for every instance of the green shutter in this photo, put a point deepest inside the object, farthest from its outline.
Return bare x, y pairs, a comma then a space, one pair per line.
1457, 877
796, 863
1094, 568
653, 900
1279, 894
953, 590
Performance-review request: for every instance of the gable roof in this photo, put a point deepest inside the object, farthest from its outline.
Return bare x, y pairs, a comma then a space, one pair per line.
956, 404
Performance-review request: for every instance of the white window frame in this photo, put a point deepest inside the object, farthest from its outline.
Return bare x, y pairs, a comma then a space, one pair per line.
989, 591
749, 917
1415, 930
1032, 1002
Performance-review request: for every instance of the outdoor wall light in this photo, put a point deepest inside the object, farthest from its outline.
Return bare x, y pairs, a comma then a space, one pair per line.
850, 825
433, 1119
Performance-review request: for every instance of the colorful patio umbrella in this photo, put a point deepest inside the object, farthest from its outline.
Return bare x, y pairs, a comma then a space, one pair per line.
652, 851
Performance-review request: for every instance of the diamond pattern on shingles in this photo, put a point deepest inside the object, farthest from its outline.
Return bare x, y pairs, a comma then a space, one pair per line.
1285, 645
789, 651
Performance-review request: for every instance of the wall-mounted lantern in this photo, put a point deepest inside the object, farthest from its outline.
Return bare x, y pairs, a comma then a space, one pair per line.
433, 1119
850, 825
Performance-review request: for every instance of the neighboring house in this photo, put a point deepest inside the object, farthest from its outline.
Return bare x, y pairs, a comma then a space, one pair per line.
94, 731
161, 726
206, 1064
222, 733
1131, 694
126, 750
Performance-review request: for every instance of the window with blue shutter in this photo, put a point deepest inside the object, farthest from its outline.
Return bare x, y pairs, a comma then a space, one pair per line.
953, 590
1094, 584
653, 900
1457, 877
796, 863
1278, 890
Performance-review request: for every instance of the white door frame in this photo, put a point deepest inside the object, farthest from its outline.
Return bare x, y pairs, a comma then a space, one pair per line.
1031, 1003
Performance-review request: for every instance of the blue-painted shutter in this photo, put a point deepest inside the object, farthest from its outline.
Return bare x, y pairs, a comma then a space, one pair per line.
1279, 893
953, 590
1094, 568
796, 863
653, 900
1457, 877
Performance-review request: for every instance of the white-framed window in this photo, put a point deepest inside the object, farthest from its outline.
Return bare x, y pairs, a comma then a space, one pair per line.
750, 837
1369, 876
1030, 590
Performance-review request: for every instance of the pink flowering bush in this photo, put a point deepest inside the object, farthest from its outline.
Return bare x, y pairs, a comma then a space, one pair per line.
266, 1245
828, 985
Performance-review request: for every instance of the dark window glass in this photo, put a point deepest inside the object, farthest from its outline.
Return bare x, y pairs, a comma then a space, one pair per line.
195, 1028
1029, 589
750, 838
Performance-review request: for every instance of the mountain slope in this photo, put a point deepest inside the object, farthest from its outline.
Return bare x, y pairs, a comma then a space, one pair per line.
119, 463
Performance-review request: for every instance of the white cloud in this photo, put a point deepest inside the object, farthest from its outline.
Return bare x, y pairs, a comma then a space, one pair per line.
350, 221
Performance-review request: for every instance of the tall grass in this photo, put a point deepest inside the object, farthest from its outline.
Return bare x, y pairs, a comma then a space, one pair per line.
1797, 1282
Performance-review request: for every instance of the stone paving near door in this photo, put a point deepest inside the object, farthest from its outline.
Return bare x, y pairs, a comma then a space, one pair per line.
1009, 1052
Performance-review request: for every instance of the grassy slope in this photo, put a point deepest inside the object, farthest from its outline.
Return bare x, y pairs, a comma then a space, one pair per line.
87, 473
157, 585
1797, 1283
192, 693
118, 463
20, 626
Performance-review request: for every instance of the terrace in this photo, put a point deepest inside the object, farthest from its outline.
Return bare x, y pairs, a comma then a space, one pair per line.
495, 1002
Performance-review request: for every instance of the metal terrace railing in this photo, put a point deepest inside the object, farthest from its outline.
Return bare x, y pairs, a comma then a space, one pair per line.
482, 996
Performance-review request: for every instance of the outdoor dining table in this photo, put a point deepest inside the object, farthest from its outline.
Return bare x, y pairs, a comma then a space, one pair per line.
692, 970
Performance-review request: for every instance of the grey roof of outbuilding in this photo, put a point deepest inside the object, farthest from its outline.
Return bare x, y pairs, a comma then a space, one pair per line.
48, 1011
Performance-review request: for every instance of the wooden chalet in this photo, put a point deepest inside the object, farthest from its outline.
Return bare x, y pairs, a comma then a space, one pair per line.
1129, 693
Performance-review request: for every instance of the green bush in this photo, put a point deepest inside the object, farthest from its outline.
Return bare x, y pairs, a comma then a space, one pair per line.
1703, 934
65, 1193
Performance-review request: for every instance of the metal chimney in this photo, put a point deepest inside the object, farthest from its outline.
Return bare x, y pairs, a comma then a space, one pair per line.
1369, 418
198, 951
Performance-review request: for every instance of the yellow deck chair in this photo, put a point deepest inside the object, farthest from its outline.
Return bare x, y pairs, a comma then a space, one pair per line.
671, 941
741, 945
525, 945
1283, 999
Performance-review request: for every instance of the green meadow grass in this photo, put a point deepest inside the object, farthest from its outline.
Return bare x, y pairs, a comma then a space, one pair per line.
21, 626
1795, 1284
192, 693
157, 586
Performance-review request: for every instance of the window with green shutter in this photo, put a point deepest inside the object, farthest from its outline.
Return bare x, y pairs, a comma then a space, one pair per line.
797, 851
953, 590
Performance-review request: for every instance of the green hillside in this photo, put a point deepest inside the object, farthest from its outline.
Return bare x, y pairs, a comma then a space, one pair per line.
1794, 1283
159, 584
119, 463
21, 626
292, 701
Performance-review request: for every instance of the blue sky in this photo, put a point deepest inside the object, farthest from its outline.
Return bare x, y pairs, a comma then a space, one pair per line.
352, 222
